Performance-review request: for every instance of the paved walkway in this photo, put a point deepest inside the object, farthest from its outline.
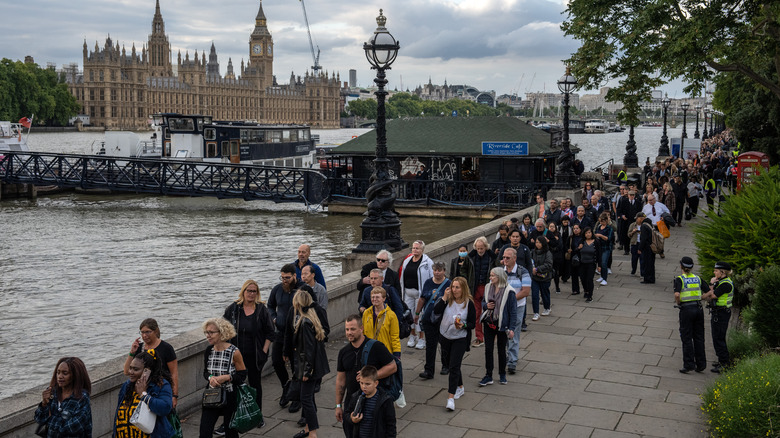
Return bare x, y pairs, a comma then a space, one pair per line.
606, 369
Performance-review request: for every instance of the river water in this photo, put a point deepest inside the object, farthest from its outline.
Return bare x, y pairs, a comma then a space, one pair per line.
78, 272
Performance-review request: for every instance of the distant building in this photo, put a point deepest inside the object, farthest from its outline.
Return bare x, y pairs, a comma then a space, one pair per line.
119, 90
441, 93
353, 78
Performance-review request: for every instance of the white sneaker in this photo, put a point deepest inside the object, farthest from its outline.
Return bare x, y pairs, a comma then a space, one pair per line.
603, 282
412, 341
545, 312
420, 344
459, 392
609, 271
536, 317
450, 404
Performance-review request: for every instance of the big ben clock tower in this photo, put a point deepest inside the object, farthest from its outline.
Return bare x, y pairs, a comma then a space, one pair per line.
261, 50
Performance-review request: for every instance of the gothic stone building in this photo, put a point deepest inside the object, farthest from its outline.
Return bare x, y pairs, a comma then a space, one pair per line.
119, 90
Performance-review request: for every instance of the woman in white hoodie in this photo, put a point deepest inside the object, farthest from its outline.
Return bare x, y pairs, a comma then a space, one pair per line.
416, 269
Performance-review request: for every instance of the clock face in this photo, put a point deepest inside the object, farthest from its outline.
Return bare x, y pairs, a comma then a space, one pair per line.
269, 49
257, 48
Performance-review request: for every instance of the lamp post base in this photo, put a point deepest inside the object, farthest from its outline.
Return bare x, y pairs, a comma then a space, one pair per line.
380, 235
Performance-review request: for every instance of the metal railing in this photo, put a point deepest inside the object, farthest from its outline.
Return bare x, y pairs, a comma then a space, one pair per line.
166, 177
444, 192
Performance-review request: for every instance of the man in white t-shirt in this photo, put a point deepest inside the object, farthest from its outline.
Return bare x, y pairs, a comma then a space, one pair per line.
519, 278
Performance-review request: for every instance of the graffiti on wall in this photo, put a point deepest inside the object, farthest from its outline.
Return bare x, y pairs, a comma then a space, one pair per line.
443, 169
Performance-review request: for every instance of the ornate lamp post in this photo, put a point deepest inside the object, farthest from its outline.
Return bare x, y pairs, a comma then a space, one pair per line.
684, 106
696, 133
381, 227
704, 135
564, 174
663, 151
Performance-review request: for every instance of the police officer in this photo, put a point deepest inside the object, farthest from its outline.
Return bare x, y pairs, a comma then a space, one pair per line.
688, 290
722, 293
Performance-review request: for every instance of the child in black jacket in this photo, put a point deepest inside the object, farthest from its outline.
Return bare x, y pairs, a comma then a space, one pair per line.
376, 415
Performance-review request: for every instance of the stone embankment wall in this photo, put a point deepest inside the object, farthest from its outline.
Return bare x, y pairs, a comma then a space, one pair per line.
16, 413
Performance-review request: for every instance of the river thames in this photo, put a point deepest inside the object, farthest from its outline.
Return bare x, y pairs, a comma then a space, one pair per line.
78, 272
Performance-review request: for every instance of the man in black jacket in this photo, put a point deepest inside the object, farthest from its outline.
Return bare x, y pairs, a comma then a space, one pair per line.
627, 208
646, 254
383, 261
280, 303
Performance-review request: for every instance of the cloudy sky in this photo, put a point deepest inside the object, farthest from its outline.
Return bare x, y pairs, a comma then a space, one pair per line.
510, 46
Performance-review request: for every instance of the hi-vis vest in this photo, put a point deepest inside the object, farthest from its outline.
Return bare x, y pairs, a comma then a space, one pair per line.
622, 176
710, 184
691, 288
725, 299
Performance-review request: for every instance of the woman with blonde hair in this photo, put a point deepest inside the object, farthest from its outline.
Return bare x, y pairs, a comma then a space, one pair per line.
311, 361
458, 317
223, 366
254, 333
381, 323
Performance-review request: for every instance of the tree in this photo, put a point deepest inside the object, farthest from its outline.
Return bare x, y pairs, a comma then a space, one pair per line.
27, 89
636, 40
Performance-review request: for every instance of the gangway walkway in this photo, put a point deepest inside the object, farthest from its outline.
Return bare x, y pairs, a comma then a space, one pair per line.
165, 176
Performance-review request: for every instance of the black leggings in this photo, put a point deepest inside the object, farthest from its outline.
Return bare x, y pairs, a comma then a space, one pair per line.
490, 339
280, 367
308, 405
455, 348
587, 271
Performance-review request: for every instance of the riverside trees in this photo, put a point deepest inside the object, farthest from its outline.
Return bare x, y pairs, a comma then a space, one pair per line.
646, 43
27, 89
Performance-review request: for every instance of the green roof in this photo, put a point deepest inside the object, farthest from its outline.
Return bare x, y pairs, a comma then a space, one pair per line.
460, 136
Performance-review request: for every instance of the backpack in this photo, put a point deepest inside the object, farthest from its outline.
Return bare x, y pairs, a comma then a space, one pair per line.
393, 384
657, 245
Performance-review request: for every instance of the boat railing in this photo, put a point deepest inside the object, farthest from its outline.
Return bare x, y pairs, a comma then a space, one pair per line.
148, 148
595, 168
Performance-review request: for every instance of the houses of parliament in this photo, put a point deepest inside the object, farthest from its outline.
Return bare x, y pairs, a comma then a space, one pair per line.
120, 90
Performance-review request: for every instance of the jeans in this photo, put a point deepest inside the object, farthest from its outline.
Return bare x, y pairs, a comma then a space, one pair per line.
513, 345
490, 340
308, 406
480, 292
455, 349
540, 288
605, 255
634, 258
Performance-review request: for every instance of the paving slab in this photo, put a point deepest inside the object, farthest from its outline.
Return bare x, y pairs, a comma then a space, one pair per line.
653, 426
574, 431
592, 399
592, 417
483, 421
622, 377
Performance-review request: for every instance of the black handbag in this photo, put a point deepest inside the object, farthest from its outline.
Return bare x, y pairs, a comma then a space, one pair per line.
575, 260
293, 391
215, 397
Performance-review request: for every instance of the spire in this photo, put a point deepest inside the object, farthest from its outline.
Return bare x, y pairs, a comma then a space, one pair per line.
260, 22
158, 25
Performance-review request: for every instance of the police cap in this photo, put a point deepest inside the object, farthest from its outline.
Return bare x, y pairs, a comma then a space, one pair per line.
686, 262
723, 265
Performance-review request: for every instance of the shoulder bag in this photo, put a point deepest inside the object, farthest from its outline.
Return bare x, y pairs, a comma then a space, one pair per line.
143, 418
214, 397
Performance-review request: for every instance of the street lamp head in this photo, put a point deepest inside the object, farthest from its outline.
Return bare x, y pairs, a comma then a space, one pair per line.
665, 102
567, 82
381, 49
685, 106
698, 107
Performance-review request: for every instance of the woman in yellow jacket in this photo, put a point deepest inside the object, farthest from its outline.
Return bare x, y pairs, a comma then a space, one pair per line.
381, 323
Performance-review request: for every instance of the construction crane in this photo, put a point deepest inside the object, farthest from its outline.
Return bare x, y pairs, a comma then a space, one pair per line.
316, 67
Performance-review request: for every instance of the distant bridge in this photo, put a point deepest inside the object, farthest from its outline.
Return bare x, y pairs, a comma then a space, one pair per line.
164, 176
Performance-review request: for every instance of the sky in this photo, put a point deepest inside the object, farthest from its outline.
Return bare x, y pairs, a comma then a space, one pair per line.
508, 46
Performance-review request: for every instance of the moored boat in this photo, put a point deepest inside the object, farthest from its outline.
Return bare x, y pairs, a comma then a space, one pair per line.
596, 126
11, 136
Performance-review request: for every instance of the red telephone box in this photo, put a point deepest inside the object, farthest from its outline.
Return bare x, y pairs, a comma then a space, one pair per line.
750, 164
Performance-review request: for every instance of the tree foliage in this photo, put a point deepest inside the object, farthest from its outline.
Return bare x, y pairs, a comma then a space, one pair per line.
410, 105
747, 232
27, 89
644, 44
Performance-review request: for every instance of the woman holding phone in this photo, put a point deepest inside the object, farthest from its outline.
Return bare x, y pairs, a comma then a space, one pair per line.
148, 382
65, 407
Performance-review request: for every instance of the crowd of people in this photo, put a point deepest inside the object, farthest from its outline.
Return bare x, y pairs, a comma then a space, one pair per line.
477, 299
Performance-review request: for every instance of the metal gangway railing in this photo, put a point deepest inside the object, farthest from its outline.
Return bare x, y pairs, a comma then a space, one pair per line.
165, 176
